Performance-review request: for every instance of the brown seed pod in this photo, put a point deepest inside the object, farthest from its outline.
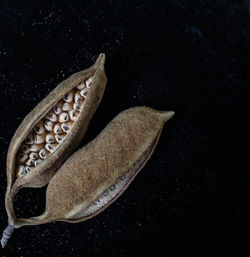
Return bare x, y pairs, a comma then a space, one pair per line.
40, 122
97, 174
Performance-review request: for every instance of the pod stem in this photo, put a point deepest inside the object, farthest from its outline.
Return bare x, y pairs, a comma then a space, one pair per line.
6, 235
9, 199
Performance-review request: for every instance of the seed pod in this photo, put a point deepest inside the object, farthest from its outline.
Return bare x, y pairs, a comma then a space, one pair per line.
24, 136
97, 174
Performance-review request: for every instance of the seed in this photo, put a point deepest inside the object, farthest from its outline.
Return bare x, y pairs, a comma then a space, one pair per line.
78, 98
50, 139
84, 92
68, 97
36, 148
50, 147
39, 128
42, 154
57, 109
66, 107
22, 157
72, 115
37, 162
52, 117
28, 169
88, 82
48, 125
77, 107
39, 139
81, 86
59, 138
25, 149
66, 127
33, 156
21, 171
30, 162
63, 117
57, 129
29, 139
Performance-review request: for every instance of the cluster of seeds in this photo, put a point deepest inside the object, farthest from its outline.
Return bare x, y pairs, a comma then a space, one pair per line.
109, 193
50, 131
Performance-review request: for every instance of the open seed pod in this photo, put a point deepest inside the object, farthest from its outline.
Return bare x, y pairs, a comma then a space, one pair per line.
52, 130
97, 174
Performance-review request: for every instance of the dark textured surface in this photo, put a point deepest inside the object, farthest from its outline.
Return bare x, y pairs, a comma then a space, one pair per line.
188, 56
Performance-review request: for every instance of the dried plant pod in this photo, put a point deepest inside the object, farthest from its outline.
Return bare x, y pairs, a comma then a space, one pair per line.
40, 122
97, 174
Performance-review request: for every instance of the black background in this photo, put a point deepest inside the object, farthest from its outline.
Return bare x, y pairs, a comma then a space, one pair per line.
188, 56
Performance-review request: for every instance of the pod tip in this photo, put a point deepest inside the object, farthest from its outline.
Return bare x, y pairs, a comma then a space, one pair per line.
102, 55
167, 114
100, 60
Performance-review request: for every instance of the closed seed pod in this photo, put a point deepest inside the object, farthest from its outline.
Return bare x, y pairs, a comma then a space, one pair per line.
44, 116
97, 174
